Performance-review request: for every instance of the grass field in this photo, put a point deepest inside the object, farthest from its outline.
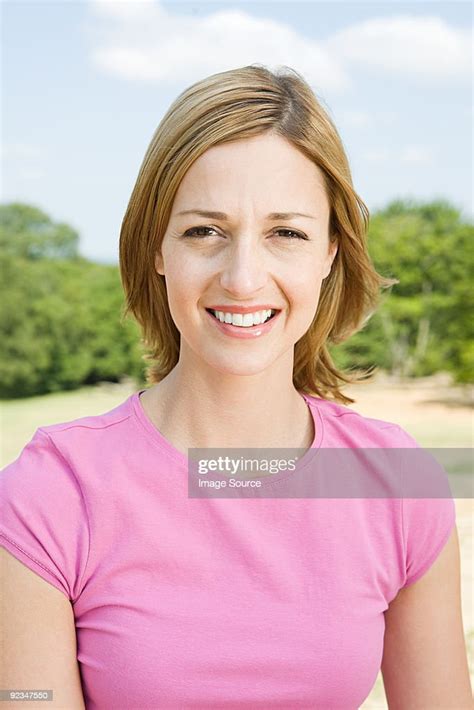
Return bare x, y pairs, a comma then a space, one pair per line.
436, 413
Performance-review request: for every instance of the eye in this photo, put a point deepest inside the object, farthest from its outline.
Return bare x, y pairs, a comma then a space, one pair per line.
193, 232
298, 235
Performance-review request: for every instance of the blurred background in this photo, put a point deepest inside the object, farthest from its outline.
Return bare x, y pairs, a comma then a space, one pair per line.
84, 86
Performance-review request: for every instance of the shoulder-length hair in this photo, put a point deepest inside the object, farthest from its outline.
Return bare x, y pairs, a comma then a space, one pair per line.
228, 106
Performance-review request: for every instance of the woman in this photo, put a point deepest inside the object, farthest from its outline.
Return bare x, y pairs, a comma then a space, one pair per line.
242, 253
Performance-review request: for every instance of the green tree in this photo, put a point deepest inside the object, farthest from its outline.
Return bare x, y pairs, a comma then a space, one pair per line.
59, 313
28, 232
425, 322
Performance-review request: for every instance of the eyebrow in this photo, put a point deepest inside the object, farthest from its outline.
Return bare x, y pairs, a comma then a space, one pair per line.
225, 218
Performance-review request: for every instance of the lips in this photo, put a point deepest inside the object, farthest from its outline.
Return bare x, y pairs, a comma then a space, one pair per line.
242, 309
244, 332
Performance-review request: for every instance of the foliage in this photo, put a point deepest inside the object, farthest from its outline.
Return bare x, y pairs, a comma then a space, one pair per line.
60, 313
425, 323
28, 232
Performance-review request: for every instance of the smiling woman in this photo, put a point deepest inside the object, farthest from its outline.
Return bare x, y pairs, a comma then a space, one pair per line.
243, 254
257, 154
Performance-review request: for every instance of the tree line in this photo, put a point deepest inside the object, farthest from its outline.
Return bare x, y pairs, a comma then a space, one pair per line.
60, 313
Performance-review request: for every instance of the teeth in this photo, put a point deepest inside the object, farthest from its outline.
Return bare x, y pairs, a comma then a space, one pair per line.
245, 320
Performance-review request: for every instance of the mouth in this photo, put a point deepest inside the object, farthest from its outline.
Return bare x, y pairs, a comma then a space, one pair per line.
273, 313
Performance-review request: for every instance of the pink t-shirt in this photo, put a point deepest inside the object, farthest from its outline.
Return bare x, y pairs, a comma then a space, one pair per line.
184, 602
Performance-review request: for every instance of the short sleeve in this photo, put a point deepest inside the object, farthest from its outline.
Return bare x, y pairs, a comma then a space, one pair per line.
427, 522
43, 521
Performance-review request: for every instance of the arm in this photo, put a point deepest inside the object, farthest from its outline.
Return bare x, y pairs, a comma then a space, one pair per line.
38, 635
424, 664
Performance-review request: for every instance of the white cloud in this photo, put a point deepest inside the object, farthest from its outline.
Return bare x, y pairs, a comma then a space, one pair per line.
142, 41
423, 47
122, 9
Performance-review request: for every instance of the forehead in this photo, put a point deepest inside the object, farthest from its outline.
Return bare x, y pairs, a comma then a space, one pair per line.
266, 170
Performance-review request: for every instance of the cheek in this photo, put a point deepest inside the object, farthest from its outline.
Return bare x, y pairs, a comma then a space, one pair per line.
185, 278
186, 281
304, 299
303, 287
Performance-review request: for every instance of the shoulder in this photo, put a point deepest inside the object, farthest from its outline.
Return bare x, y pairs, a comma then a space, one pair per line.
118, 414
344, 426
56, 460
44, 517
80, 438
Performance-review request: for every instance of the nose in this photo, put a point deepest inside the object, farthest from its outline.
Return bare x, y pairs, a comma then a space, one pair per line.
243, 272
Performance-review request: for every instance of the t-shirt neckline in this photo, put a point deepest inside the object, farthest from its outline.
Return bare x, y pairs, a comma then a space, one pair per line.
154, 435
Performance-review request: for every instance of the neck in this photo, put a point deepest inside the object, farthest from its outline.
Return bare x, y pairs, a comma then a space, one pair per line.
236, 411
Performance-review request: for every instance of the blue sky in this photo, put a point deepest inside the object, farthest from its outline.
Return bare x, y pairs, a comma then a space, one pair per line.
85, 84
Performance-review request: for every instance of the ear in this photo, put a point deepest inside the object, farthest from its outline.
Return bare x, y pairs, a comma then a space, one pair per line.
332, 251
159, 266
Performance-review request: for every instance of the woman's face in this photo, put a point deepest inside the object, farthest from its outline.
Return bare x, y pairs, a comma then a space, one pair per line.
245, 257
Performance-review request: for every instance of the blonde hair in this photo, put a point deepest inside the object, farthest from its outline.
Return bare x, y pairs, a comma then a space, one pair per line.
228, 106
